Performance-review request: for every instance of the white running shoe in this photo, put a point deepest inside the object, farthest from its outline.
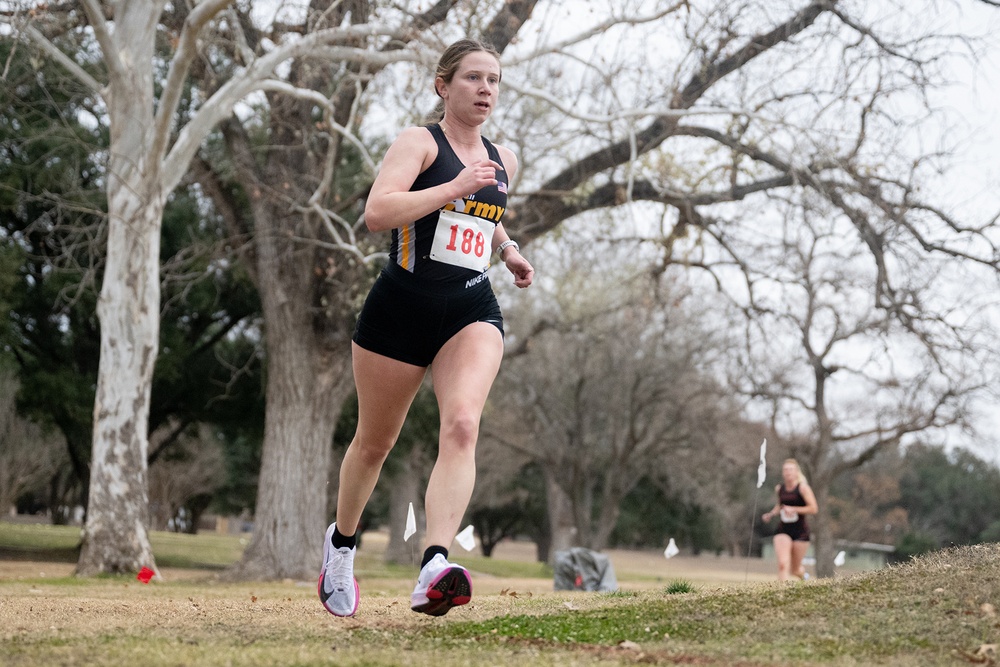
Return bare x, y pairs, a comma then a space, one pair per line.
440, 586
338, 589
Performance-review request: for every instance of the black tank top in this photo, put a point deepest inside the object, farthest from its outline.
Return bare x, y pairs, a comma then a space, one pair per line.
410, 247
792, 498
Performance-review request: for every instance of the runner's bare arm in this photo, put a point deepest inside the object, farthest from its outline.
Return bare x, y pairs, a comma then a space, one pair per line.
391, 204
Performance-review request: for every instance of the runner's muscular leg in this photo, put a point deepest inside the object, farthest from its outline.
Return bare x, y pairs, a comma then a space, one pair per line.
783, 552
386, 388
799, 550
463, 373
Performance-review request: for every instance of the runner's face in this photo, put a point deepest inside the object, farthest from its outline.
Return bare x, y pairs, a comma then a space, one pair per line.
473, 89
789, 473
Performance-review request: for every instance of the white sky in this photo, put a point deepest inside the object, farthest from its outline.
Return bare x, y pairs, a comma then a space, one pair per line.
974, 184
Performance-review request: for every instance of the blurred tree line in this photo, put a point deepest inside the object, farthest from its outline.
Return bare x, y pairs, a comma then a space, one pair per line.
917, 498
620, 415
209, 370
609, 351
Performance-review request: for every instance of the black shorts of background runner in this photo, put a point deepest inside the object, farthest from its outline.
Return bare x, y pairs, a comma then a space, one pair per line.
410, 320
799, 532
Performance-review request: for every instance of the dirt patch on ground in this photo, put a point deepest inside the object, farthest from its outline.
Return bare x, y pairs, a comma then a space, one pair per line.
634, 569
31, 605
186, 599
922, 614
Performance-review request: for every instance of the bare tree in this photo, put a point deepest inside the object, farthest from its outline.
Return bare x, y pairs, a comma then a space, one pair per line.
309, 284
194, 466
150, 151
752, 109
869, 509
29, 456
311, 262
781, 132
611, 393
844, 379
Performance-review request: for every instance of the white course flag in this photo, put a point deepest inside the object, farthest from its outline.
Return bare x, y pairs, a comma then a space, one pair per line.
671, 549
840, 559
411, 524
762, 468
466, 539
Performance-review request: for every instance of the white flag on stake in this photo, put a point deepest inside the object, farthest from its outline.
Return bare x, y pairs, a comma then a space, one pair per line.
411, 524
762, 468
466, 539
671, 549
840, 559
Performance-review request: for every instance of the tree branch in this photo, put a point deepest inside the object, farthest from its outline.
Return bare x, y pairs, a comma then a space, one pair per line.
221, 104
68, 63
548, 207
107, 43
514, 14
173, 87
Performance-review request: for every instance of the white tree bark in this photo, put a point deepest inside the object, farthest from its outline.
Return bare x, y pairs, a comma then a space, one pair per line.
115, 535
145, 165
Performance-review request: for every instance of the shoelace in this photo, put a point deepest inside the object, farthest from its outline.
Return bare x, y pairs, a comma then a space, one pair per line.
337, 573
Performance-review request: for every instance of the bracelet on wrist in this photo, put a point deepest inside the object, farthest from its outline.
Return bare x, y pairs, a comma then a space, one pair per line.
506, 244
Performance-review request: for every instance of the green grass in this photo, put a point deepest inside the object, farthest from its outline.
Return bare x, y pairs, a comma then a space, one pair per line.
211, 551
38, 537
506, 568
679, 586
929, 612
61, 543
196, 551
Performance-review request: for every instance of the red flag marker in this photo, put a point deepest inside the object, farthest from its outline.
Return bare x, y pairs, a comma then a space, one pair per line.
145, 574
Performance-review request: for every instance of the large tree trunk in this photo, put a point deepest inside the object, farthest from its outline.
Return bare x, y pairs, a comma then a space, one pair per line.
562, 529
308, 298
308, 378
610, 510
822, 534
115, 538
115, 535
404, 489
304, 396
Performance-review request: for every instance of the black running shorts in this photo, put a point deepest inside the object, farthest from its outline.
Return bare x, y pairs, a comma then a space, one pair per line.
410, 321
798, 531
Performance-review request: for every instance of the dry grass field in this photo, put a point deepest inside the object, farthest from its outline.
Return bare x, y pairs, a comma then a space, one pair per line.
937, 611
635, 570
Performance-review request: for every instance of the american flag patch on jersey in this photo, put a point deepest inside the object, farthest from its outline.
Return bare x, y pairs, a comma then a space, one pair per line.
502, 187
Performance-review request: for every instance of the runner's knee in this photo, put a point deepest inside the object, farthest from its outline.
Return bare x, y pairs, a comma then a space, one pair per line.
460, 430
373, 450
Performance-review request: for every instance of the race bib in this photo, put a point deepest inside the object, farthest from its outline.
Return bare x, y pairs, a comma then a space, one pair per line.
463, 240
789, 516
